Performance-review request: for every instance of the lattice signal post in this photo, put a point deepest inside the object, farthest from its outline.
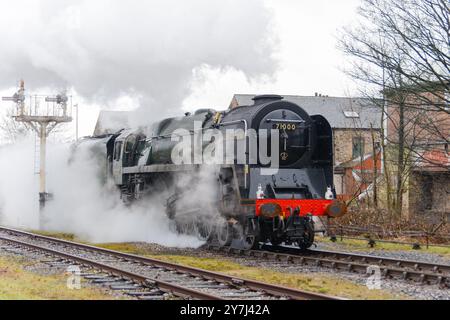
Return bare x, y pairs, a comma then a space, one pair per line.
42, 119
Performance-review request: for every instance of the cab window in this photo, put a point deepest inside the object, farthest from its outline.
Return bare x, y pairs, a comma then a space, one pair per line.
117, 150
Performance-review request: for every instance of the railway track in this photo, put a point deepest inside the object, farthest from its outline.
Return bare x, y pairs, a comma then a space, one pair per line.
417, 271
145, 278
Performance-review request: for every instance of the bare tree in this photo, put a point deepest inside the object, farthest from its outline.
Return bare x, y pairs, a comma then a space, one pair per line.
375, 166
415, 37
11, 130
400, 50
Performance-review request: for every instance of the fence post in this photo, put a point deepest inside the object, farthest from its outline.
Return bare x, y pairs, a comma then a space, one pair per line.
332, 233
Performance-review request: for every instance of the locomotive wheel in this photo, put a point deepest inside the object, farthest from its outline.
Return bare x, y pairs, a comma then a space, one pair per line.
203, 231
247, 241
308, 238
250, 242
224, 234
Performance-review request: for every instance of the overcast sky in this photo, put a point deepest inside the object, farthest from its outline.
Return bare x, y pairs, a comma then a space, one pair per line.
170, 56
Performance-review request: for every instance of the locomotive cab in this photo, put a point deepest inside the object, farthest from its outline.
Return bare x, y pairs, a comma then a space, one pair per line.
128, 147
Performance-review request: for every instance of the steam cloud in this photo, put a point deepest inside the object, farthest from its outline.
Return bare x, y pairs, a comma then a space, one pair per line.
149, 50
18, 185
82, 204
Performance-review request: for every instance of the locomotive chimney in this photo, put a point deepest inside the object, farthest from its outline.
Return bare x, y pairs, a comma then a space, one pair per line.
264, 98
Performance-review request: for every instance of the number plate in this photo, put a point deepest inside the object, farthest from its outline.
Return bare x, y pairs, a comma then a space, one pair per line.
285, 126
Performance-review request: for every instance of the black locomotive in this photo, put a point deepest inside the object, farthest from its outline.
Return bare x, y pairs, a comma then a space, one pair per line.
250, 203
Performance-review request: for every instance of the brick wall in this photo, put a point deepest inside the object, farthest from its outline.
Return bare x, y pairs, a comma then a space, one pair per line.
343, 152
429, 192
343, 143
234, 103
423, 123
426, 129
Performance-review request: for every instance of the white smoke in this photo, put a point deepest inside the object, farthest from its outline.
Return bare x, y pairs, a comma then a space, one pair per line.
82, 204
149, 50
18, 185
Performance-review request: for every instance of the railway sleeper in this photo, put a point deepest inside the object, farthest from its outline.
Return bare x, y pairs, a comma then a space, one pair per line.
125, 287
155, 292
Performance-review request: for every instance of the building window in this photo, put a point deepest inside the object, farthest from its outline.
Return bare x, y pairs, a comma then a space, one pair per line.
357, 147
351, 114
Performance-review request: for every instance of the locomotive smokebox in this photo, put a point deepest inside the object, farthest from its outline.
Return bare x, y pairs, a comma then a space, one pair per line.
264, 98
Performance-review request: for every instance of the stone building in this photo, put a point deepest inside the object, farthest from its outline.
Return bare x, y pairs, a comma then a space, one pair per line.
426, 137
354, 121
429, 192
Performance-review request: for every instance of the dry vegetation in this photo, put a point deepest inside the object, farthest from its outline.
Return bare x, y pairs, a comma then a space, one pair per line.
379, 223
362, 245
16, 283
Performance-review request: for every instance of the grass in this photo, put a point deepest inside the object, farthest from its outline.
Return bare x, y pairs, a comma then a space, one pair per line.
18, 284
124, 247
58, 235
361, 245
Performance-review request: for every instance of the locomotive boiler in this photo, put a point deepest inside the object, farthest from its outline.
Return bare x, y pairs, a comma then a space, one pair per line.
243, 200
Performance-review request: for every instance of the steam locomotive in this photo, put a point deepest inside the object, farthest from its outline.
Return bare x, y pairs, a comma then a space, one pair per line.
244, 203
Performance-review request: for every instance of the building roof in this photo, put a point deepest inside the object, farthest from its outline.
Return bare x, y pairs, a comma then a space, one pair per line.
365, 163
434, 160
339, 111
111, 122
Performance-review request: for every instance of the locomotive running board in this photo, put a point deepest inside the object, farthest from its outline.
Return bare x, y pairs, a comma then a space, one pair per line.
160, 168
164, 168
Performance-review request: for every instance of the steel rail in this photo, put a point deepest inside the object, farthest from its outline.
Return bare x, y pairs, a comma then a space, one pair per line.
142, 280
389, 267
383, 261
270, 289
